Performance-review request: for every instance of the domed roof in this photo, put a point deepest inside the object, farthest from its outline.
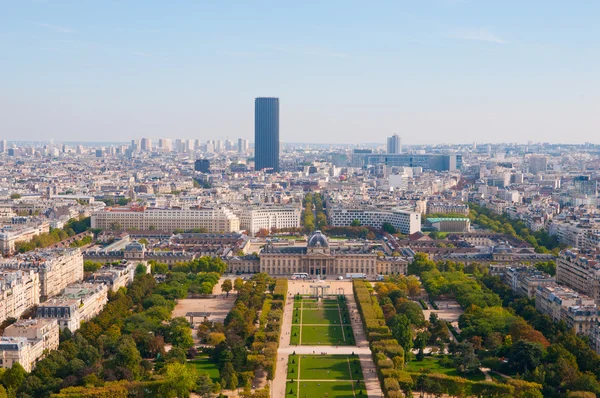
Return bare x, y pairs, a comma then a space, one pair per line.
134, 246
317, 239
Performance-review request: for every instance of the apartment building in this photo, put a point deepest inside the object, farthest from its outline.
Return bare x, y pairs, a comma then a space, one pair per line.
573, 234
213, 220
27, 342
12, 234
255, 219
580, 270
56, 268
434, 207
115, 276
524, 280
450, 224
405, 221
555, 301
80, 302
19, 291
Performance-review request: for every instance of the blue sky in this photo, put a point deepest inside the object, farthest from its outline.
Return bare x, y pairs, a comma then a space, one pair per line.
433, 71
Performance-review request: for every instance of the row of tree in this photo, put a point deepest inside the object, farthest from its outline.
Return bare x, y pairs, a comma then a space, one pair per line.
541, 240
71, 228
247, 349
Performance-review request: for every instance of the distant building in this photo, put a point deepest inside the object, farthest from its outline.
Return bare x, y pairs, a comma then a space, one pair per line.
146, 144
538, 164
255, 219
394, 144
427, 161
434, 207
213, 220
319, 258
404, 221
28, 341
266, 134
202, 165
242, 145
450, 224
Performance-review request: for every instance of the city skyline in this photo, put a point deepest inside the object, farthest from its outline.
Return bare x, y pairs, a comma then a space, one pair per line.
438, 70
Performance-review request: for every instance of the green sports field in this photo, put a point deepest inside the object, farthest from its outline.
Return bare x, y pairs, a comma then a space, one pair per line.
321, 323
331, 376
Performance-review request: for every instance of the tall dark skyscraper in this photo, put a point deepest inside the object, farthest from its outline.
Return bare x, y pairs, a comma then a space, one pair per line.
266, 134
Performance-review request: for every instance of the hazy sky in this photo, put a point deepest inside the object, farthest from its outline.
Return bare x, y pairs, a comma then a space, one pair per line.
345, 71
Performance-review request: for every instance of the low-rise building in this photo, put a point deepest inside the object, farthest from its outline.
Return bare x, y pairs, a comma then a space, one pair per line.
28, 341
80, 302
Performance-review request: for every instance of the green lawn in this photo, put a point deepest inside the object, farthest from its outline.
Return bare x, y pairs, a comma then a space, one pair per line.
325, 316
433, 365
203, 364
331, 376
321, 323
326, 335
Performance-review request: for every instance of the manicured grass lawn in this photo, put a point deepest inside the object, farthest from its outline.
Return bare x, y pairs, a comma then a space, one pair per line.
432, 364
331, 376
326, 335
295, 336
321, 316
321, 323
325, 389
204, 365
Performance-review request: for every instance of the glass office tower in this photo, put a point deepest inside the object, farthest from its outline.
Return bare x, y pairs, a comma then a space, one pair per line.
266, 134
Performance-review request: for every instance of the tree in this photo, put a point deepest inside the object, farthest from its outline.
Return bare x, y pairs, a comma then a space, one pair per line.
229, 375
526, 355
226, 286
140, 269
179, 380
355, 223
205, 386
215, 338
389, 228
15, 196
465, 359
14, 377
238, 284
401, 331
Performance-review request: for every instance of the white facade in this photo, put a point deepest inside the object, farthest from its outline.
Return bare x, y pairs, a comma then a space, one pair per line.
27, 342
406, 222
213, 220
79, 303
253, 220
19, 291
57, 268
